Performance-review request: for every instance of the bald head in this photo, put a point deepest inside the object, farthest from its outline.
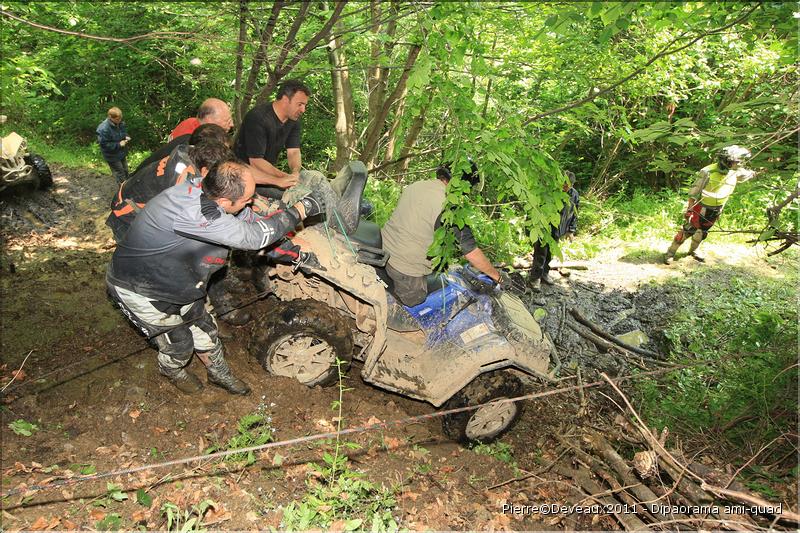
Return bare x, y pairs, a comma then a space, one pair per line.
215, 111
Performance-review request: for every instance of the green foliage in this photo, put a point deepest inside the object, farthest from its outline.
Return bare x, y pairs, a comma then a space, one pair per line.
85, 469
253, 429
143, 499
184, 520
349, 497
111, 522
114, 494
501, 451
744, 328
337, 493
23, 427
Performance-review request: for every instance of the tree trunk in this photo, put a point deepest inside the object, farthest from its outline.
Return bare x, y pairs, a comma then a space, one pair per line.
377, 77
413, 133
237, 88
259, 59
283, 63
375, 129
343, 101
394, 130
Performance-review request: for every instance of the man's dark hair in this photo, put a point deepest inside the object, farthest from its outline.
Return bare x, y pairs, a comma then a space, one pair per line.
209, 154
210, 132
225, 180
290, 87
444, 172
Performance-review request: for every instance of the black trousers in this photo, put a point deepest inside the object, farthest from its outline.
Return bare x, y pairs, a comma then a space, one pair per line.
542, 256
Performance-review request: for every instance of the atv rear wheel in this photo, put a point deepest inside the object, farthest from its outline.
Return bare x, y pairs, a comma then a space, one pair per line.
42, 169
303, 339
487, 423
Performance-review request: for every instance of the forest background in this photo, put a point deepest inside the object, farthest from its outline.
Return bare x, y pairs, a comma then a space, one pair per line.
632, 97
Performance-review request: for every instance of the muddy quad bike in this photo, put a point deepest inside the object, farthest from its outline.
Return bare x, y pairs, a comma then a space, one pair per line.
18, 167
464, 345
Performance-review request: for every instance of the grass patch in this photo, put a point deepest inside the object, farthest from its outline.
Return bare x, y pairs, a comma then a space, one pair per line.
744, 327
68, 152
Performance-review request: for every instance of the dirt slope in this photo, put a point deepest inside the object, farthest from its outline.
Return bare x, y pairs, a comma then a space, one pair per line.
91, 386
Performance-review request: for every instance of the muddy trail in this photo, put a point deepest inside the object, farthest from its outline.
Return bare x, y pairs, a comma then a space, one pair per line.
89, 399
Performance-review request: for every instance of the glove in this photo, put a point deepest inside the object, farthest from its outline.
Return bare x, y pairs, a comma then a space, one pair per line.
307, 260
123, 142
292, 195
569, 235
504, 282
314, 204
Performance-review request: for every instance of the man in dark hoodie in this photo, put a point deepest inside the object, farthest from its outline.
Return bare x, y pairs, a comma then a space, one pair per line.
112, 136
567, 226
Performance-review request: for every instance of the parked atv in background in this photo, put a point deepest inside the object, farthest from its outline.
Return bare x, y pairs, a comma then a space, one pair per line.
466, 344
18, 167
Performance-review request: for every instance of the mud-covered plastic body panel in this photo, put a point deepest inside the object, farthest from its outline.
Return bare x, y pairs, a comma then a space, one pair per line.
464, 329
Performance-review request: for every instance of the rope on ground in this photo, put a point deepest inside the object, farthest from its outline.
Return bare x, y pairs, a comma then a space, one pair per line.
318, 436
249, 302
17, 372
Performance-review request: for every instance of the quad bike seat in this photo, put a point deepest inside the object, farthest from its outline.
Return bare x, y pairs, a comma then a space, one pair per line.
367, 238
367, 233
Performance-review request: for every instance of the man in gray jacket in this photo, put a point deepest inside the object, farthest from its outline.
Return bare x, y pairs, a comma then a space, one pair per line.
159, 272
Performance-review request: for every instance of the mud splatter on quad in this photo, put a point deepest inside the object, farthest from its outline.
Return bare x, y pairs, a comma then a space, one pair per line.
464, 345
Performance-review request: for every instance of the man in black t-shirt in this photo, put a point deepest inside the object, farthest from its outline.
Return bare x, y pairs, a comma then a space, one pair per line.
268, 129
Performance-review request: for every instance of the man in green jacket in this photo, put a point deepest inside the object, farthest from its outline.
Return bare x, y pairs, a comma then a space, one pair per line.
714, 185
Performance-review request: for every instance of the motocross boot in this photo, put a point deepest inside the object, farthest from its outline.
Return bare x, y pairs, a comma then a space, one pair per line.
693, 249
177, 374
220, 374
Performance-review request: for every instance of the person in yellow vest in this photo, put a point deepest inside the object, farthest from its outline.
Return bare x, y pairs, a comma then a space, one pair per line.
715, 184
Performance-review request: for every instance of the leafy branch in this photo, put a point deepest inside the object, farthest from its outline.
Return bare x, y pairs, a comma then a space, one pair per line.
666, 51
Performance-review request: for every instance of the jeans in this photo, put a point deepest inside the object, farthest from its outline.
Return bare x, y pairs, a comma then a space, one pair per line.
410, 290
119, 169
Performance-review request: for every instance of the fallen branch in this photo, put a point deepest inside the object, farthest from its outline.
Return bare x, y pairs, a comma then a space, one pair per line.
669, 458
571, 266
606, 346
583, 478
743, 497
646, 496
597, 330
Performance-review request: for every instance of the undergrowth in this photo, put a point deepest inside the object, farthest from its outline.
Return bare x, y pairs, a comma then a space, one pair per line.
338, 497
253, 429
743, 330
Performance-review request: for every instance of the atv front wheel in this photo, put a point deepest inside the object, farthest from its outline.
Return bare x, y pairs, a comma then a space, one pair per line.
42, 169
490, 421
303, 339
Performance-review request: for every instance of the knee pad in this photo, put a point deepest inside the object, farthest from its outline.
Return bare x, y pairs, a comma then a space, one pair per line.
176, 343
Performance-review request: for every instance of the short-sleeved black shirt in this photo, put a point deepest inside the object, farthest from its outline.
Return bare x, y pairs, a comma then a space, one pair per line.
262, 135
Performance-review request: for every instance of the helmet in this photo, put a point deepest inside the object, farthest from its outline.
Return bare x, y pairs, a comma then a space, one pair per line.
732, 155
